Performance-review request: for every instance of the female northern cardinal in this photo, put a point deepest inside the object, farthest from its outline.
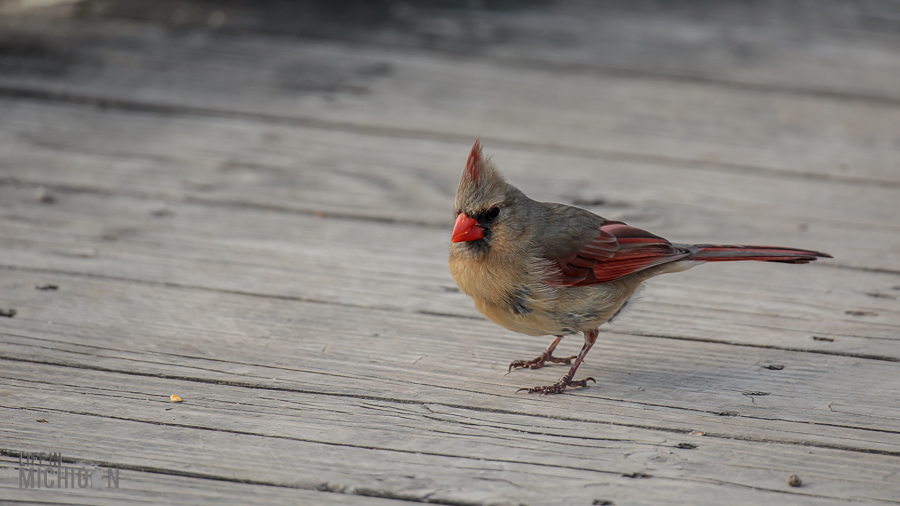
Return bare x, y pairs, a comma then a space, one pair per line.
550, 269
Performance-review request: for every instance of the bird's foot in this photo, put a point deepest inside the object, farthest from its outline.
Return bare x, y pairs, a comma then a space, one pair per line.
539, 362
558, 387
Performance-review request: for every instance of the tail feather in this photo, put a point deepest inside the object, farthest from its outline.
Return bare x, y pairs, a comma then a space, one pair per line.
729, 253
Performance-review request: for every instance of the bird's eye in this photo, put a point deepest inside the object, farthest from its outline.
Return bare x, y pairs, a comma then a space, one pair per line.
492, 213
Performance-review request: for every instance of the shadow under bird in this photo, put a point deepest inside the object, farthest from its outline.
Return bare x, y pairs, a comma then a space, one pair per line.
541, 268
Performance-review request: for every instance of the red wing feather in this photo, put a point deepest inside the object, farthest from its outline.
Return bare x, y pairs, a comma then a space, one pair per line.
617, 251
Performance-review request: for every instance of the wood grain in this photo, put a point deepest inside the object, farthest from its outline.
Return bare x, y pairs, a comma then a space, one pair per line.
300, 169
446, 445
404, 269
214, 336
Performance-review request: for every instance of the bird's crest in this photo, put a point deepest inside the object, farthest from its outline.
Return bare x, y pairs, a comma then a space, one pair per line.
475, 162
480, 171
481, 184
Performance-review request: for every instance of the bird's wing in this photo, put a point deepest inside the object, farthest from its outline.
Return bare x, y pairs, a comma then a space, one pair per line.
617, 251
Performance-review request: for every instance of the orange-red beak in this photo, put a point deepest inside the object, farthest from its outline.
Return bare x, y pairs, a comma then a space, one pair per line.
466, 229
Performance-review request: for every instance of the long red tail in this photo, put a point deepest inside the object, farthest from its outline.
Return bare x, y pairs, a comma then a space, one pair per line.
720, 253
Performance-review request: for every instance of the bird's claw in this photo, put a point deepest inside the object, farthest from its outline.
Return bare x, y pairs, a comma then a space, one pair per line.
537, 363
558, 387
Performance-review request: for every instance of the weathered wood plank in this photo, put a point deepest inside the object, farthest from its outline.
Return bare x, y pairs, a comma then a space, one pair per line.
302, 169
211, 336
313, 437
143, 485
403, 268
410, 93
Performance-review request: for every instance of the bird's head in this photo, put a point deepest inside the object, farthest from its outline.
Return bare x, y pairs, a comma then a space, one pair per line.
485, 206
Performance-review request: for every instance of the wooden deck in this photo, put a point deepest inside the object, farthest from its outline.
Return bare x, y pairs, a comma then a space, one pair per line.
249, 205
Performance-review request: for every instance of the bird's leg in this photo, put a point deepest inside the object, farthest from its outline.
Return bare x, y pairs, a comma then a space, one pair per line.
590, 337
547, 355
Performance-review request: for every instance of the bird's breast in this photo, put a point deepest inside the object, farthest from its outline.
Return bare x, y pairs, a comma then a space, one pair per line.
510, 294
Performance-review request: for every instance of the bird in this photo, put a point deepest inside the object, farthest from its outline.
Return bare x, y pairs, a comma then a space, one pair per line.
541, 268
